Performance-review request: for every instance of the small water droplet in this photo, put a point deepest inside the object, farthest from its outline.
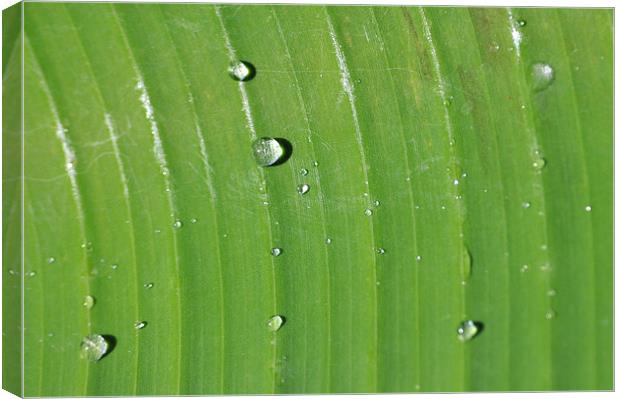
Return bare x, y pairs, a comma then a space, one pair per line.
328, 241
275, 323
148, 286
526, 205
588, 208
139, 325
177, 224
552, 292
368, 212
468, 329
522, 22
303, 172
380, 251
114, 266
94, 347
377, 203
88, 246
550, 314
51, 260
193, 220
157, 231
542, 76
276, 251
315, 163
268, 151
455, 182
543, 247
539, 163
524, 268
418, 258
303, 188
545, 267
241, 71
88, 302
31, 274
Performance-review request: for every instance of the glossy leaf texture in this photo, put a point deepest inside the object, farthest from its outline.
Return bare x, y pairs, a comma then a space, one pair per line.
458, 164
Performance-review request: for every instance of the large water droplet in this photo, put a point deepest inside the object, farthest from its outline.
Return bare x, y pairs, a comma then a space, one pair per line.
242, 71
94, 347
276, 251
542, 76
268, 151
275, 323
468, 330
328, 241
303, 188
588, 208
177, 224
89, 302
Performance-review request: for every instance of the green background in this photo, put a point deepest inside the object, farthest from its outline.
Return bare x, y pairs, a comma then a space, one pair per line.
132, 123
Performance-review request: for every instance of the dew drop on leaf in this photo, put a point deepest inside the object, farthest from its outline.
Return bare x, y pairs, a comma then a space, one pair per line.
275, 323
276, 251
303, 188
303, 172
51, 260
177, 224
522, 22
539, 163
526, 205
328, 241
542, 76
267, 151
466, 264
139, 325
148, 286
468, 329
241, 71
368, 212
550, 314
89, 302
94, 347
588, 208
380, 251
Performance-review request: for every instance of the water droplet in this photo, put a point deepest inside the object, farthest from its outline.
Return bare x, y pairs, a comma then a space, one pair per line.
543, 247
31, 274
193, 220
522, 22
157, 231
526, 205
242, 71
539, 163
552, 292
550, 314
268, 151
276, 251
315, 163
139, 325
89, 302
545, 267
303, 188
148, 286
380, 251
114, 266
377, 203
87, 246
275, 323
455, 182
468, 329
368, 212
328, 241
303, 172
542, 76
418, 258
51, 260
94, 347
524, 268
588, 208
177, 224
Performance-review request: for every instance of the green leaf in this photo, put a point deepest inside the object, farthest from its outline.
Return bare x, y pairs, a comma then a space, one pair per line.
459, 164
